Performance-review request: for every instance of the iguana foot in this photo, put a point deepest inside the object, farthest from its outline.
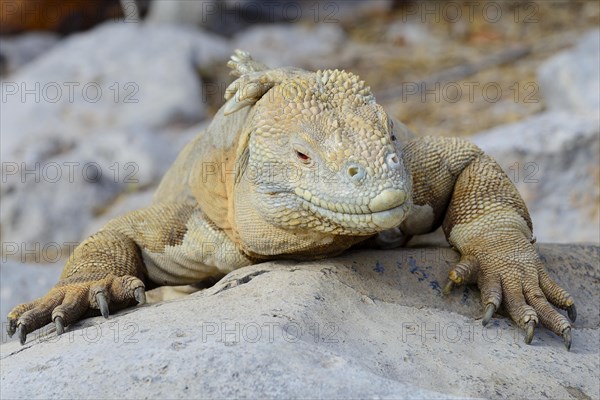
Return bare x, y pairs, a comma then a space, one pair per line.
71, 298
508, 270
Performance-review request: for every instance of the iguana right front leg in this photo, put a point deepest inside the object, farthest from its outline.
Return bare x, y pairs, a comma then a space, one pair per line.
165, 244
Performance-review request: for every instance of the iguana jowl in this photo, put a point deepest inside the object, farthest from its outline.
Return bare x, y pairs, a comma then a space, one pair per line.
305, 165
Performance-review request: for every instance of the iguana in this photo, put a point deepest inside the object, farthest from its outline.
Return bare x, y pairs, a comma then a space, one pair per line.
305, 165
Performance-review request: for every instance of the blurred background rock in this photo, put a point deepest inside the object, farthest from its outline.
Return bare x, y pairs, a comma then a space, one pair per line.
98, 97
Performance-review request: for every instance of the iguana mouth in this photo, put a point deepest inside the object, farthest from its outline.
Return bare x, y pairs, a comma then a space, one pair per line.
353, 215
387, 199
342, 208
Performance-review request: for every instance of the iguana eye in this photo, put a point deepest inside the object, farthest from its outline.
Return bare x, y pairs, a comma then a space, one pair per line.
301, 154
303, 157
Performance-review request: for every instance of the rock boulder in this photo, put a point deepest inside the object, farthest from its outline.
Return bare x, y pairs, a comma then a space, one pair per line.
369, 324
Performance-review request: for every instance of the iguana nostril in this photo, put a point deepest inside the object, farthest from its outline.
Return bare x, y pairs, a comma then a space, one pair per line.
392, 160
355, 172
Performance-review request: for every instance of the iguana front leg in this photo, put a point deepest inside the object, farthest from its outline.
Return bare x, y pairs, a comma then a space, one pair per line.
165, 244
486, 220
105, 269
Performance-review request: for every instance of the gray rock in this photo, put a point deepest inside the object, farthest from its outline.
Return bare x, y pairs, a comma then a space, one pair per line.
229, 17
305, 46
119, 76
16, 51
364, 325
554, 160
569, 81
130, 139
179, 12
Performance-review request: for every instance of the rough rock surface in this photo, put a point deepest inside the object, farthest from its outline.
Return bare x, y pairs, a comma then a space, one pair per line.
570, 80
366, 324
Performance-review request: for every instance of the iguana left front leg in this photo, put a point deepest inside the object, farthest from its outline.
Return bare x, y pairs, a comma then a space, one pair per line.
163, 244
486, 220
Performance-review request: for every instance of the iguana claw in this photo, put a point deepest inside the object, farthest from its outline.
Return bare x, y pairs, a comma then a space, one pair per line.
60, 325
490, 309
572, 312
529, 330
22, 333
102, 304
11, 326
140, 295
448, 288
567, 338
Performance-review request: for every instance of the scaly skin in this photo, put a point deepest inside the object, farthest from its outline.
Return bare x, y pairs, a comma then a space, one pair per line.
305, 165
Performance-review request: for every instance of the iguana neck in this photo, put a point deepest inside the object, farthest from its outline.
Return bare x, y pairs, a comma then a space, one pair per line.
212, 175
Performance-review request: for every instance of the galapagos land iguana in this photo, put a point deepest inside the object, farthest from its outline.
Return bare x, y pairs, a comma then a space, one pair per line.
304, 165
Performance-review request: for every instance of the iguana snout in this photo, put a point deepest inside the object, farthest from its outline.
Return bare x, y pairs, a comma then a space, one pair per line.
387, 199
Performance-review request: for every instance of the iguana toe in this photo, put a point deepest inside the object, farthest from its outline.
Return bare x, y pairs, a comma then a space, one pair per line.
556, 295
11, 326
31, 316
465, 271
490, 309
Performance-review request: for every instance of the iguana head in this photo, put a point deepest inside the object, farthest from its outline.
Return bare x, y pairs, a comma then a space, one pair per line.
321, 156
